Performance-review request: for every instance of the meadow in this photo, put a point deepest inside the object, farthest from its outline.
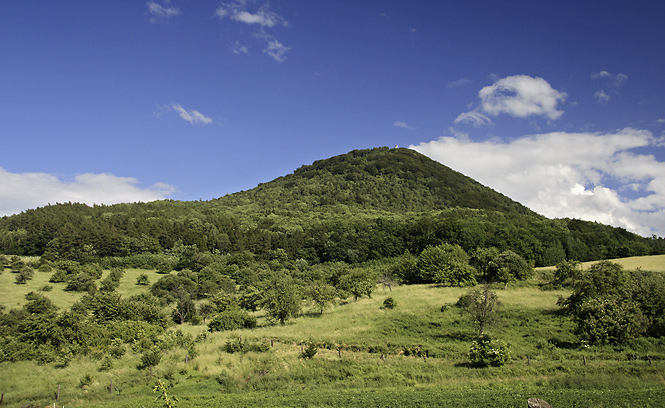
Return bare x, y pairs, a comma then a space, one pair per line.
413, 355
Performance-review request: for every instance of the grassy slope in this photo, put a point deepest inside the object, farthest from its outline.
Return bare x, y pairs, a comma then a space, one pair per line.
655, 263
280, 377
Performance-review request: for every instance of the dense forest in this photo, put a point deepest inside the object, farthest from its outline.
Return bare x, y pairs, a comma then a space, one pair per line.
360, 206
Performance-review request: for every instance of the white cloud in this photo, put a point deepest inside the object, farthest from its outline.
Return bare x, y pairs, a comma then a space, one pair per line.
263, 16
157, 10
23, 191
192, 116
616, 80
571, 175
474, 117
519, 96
276, 50
602, 96
402, 125
240, 49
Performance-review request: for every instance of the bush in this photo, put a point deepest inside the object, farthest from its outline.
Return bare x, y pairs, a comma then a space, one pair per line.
389, 303
238, 345
310, 351
142, 280
486, 351
233, 319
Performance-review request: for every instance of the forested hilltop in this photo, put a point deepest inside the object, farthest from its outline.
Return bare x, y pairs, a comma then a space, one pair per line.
355, 207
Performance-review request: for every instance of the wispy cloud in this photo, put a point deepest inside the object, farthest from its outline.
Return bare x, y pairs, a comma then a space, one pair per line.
263, 18
240, 49
475, 118
192, 116
276, 50
402, 125
519, 96
157, 10
459, 82
575, 175
23, 191
616, 80
602, 96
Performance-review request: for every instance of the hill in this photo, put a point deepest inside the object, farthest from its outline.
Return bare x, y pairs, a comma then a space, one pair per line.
355, 207
381, 179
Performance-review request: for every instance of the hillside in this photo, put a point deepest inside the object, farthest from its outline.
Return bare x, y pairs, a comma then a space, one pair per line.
381, 179
355, 207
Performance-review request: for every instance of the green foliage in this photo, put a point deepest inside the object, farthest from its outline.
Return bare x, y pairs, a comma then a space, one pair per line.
446, 265
604, 278
231, 319
239, 345
321, 293
488, 352
358, 281
609, 320
168, 401
481, 305
389, 303
566, 273
150, 358
24, 275
511, 267
310, 351
281, 299
142, 280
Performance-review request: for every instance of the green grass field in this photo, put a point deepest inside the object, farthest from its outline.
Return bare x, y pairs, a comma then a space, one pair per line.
348, 370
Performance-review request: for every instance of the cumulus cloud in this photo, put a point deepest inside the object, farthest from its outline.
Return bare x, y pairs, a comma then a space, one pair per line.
23, 191
156, 10
192, 116
591, 176
519, 96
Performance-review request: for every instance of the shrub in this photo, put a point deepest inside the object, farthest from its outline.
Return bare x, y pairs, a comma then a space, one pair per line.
238, 345
310, 351
486, 351
389, 303
142, 280
231, 320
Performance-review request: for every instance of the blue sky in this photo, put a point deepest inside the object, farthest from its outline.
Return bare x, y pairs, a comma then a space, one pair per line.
559, 105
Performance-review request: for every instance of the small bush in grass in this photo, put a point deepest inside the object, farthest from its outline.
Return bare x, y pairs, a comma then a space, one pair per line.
142, 280
389, 303
85, 381
150, 359
46, 288
486, 351
106, 364
310, 351
238, 345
